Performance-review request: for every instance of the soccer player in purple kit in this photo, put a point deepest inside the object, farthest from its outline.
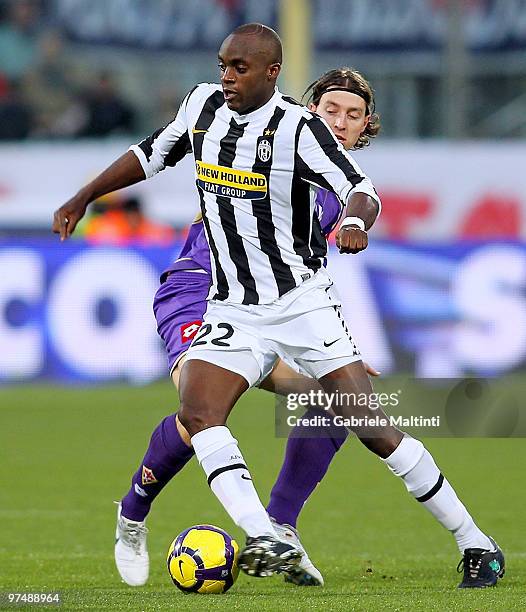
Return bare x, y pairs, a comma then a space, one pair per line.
345, 100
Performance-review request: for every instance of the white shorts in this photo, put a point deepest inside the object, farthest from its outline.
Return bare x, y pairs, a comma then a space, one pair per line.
304, 327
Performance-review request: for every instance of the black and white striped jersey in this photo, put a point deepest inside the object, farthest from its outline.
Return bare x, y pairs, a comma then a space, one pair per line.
254, 174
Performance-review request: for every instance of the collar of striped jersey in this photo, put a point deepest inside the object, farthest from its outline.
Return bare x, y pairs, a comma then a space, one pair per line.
259, 111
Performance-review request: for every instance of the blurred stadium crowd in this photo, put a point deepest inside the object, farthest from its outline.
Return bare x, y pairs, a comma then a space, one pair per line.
41, 95
91, 68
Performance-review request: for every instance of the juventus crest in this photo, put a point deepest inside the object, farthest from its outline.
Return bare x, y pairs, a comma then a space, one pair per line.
264, 150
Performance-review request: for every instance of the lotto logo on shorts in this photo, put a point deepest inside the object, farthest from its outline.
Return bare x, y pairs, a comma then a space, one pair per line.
189, 330
147, 476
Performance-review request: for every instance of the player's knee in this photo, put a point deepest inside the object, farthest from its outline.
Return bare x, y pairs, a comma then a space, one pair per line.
196, 418
188, 419
385, 443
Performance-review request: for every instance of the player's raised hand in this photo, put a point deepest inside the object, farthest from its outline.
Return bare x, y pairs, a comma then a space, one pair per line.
67, 216
125, 171
351, 239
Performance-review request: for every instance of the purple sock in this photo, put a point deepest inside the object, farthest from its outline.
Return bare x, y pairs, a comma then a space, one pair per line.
306, 462
167, 454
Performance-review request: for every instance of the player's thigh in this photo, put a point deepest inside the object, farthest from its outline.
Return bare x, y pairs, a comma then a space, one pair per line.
179, 307
230, 339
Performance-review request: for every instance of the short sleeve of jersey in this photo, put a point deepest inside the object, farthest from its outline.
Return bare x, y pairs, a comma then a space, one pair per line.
324, 162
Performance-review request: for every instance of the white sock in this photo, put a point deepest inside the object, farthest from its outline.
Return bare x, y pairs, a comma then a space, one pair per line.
228, 476
414, 464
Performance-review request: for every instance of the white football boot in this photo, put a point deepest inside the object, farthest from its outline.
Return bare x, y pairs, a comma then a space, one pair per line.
131, 555
305, 573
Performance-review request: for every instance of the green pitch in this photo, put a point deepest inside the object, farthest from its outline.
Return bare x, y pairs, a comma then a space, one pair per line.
67, 454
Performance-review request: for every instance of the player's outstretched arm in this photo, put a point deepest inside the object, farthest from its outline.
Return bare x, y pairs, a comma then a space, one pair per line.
360, 214
124, 172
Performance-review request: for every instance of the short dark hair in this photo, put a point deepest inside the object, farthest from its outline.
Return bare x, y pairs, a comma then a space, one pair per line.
266, 34
347, 79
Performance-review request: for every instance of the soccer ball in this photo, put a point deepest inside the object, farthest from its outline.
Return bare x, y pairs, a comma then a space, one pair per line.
203, 559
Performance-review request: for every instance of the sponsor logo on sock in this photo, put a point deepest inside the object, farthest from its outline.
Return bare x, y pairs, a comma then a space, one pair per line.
495, 566
148, 476
140, 491
245, 477
234, 457
189, 330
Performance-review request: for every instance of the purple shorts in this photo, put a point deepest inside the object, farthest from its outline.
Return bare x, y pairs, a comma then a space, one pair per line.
179, 306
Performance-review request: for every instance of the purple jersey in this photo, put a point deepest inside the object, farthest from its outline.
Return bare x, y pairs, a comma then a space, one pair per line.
179, 306
195, 253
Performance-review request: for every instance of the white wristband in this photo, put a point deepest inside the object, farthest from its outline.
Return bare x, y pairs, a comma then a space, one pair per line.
353, 221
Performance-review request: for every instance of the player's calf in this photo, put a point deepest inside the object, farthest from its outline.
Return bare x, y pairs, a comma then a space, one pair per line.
348, 388
166, 455
412, 462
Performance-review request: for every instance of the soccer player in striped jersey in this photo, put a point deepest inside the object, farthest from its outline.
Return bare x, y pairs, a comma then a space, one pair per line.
256, 153
345, 100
